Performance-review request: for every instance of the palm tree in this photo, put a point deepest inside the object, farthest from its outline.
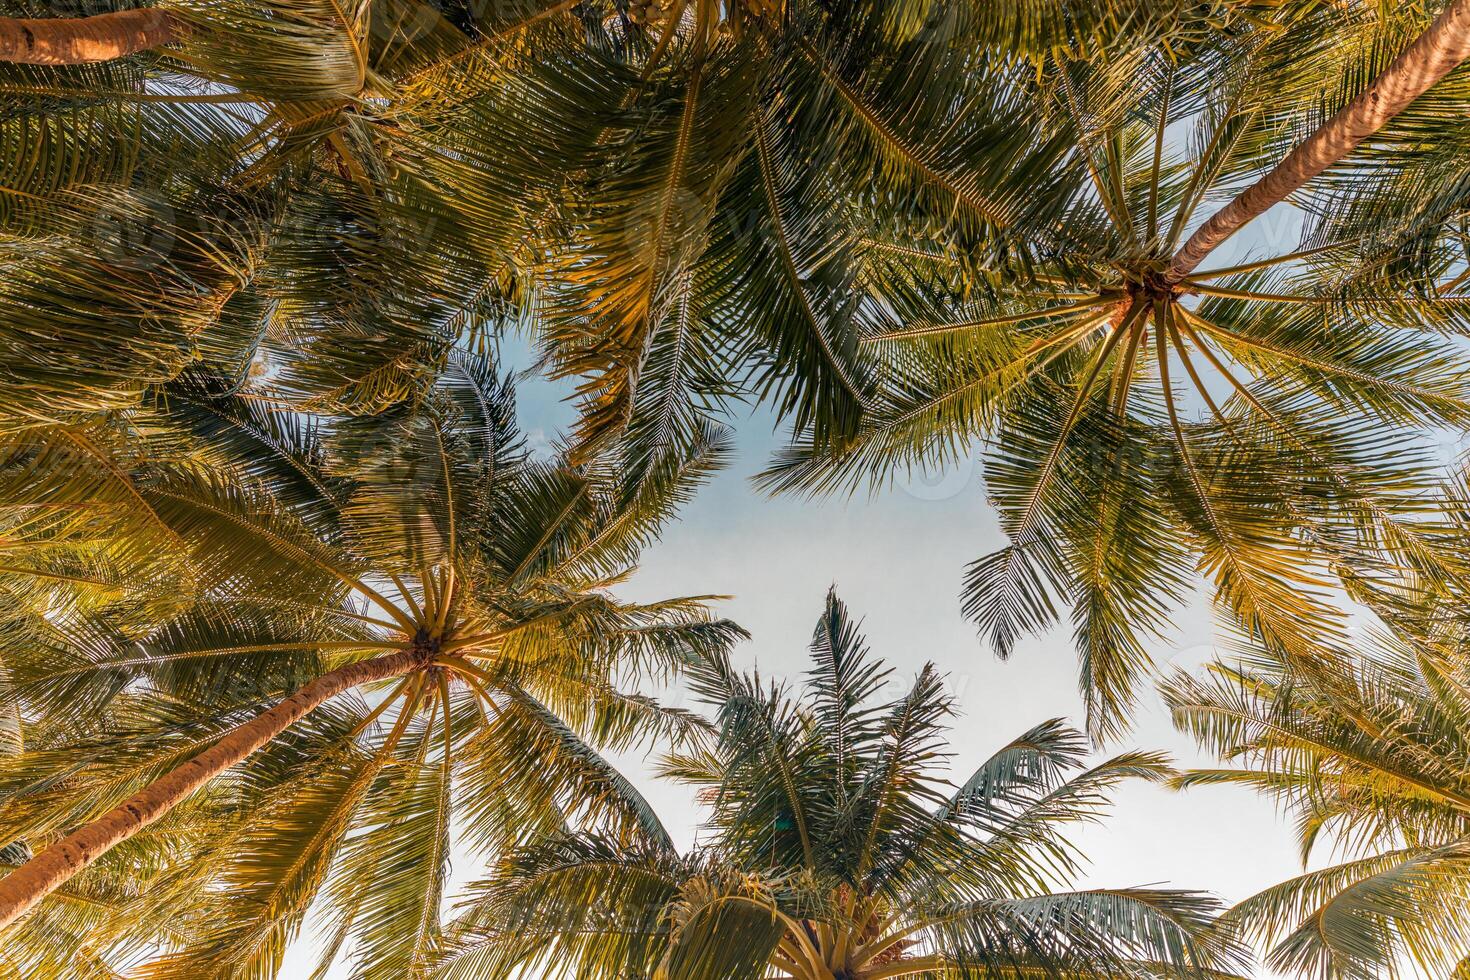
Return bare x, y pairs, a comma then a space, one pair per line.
391, 624
909, 226
329, 196
835, 849
1313, 369
1374, 758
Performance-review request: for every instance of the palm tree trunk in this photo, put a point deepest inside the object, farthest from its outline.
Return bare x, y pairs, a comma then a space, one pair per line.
1435, 54
80, 40
38, 877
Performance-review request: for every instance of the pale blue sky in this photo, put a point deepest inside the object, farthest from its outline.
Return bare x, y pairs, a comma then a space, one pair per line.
897, 559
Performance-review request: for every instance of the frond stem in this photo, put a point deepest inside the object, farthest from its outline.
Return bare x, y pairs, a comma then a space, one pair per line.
1153, 180
1232, 270
908, 968
1028, 513
942, 328
407, 596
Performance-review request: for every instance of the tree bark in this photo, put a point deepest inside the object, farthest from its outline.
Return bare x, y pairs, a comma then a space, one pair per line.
43, 874
82, 40
1432, 56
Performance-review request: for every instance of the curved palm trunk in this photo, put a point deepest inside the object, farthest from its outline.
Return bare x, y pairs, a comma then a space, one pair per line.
43, 874
1435, 54
81, 40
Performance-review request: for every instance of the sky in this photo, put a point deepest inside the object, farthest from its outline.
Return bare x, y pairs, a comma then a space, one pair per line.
897, 558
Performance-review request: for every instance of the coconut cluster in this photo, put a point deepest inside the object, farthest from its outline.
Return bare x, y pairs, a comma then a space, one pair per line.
648, 13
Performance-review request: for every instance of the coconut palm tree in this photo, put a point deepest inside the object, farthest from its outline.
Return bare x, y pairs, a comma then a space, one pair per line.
296, 184
1373, 759
292, 161
390, 625
909, 226
835, 848
1146, 419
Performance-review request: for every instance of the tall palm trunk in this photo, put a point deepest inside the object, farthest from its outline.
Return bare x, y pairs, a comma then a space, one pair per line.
43, 874
80, 40
1435, 54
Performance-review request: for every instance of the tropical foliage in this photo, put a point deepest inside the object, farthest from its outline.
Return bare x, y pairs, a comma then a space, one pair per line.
286, 605
1373, 759
913, 228
429, 541
1146, 423
836, 848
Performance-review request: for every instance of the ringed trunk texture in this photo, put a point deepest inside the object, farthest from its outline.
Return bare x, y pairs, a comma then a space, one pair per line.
43, 874
1434, 55
82, 40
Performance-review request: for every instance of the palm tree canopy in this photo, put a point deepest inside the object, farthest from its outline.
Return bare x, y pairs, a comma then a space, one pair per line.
290, 545
1373, 758
1261, 424
914, 228
835, 848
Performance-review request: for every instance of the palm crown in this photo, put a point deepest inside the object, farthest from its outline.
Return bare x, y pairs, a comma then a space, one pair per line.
422, 556
835, 848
